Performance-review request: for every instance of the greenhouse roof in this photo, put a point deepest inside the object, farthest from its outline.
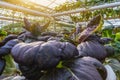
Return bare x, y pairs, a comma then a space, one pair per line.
50, 3
35, 9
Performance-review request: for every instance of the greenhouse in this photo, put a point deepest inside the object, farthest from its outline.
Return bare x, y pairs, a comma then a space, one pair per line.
59, 39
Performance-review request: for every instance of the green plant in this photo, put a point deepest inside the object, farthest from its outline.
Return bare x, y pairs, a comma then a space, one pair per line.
2, 34
10, 68
15, 28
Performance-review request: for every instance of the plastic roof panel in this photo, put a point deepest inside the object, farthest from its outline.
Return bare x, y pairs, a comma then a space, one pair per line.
49, 3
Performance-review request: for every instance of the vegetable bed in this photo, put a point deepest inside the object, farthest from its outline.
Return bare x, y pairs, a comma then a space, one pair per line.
39, 55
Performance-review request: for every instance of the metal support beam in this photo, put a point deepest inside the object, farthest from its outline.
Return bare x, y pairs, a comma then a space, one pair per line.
84, 9
42, 6
22, 9
9, 19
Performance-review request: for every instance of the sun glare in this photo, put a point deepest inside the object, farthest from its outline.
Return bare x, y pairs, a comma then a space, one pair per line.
49, 3
43, 2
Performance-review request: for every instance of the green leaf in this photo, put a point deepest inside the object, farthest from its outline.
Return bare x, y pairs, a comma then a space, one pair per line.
10, 66
117, 36
3, 33
59, 65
